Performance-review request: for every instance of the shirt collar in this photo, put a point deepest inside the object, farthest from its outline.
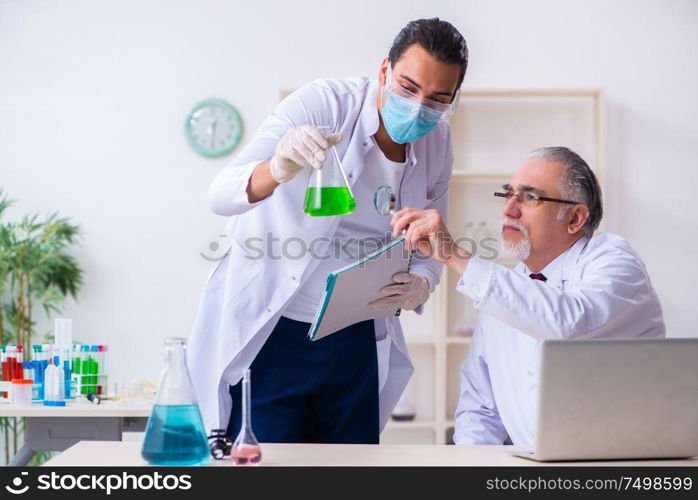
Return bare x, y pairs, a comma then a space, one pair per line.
560, 268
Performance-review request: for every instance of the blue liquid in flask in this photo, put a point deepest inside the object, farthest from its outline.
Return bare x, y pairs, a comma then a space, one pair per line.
175, 435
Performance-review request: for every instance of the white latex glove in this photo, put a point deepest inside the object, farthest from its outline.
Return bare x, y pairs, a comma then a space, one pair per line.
406, 292
299, 148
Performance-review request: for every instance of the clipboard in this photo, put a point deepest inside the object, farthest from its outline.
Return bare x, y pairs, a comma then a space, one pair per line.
350, 289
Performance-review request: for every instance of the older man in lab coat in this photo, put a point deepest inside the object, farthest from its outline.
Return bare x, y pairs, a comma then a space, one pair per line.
258, 302
570, 284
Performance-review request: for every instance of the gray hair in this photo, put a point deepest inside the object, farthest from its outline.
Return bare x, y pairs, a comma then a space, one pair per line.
578, 183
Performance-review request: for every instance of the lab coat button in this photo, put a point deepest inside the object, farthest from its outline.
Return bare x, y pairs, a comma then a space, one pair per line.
293, 277
530, 373
268, 310
365, 144
350, 175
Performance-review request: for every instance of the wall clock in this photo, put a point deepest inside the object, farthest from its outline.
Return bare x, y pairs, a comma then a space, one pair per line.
213, 128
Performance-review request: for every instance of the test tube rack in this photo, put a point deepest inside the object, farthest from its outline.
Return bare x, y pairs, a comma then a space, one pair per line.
84, 368
89, 369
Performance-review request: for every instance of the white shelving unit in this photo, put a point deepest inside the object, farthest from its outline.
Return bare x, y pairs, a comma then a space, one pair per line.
492, 131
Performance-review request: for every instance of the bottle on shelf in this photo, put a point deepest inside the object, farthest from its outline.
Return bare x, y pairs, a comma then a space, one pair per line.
404, 410
465, 325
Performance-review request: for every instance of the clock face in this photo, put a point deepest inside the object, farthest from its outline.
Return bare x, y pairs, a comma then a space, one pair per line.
213, 128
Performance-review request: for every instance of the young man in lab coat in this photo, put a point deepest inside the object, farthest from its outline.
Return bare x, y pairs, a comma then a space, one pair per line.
569, 284
259, 301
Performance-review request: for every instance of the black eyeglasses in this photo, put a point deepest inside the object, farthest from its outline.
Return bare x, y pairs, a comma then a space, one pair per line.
532, 199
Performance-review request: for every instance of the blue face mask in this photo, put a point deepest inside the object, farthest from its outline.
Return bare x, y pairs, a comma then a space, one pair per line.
406, 120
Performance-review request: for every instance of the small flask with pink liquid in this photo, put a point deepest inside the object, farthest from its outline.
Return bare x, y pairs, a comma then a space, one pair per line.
246, 450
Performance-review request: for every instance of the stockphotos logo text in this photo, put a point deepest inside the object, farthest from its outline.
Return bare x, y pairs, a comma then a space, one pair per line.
104, 482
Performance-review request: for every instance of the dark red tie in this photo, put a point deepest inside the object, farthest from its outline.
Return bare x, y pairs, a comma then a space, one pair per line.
538, 276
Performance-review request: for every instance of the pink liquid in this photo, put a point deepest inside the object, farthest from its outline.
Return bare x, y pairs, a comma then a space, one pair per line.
249, 455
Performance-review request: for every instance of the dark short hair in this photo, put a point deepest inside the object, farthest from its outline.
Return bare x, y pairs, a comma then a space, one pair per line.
439, 38
578, 183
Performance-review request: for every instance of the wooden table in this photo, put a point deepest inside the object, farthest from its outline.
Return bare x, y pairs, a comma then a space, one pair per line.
127, 453
52, 428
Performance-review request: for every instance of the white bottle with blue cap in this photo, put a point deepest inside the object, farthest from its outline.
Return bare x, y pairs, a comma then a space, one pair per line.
55, 387
53, 378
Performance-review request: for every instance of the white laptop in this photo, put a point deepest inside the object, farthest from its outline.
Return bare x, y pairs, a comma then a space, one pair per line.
617, 399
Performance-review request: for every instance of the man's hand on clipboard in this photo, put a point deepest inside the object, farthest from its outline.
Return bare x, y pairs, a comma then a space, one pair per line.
406, 292
427, 233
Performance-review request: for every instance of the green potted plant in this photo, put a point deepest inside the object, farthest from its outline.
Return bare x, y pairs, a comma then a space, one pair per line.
35, 272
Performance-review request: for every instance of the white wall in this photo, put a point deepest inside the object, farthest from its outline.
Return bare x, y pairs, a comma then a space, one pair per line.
93, 97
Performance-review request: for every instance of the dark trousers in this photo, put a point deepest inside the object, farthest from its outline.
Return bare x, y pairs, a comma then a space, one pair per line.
313, 392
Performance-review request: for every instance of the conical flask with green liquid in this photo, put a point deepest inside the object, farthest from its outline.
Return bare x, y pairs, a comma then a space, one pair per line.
328, 191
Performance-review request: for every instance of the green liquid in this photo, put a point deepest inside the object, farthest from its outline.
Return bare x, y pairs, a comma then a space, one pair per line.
328, 201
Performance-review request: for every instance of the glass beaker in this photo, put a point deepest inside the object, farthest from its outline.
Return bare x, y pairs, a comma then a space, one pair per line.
175, 433
246, 450
328, 190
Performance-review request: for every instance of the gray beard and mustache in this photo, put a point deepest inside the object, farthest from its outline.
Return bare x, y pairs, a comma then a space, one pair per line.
519, 250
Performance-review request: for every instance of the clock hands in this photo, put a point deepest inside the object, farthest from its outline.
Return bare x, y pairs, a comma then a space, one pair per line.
212, 132
213, 128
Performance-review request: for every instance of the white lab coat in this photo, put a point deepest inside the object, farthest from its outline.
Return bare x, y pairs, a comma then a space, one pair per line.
597, 289
246, 292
